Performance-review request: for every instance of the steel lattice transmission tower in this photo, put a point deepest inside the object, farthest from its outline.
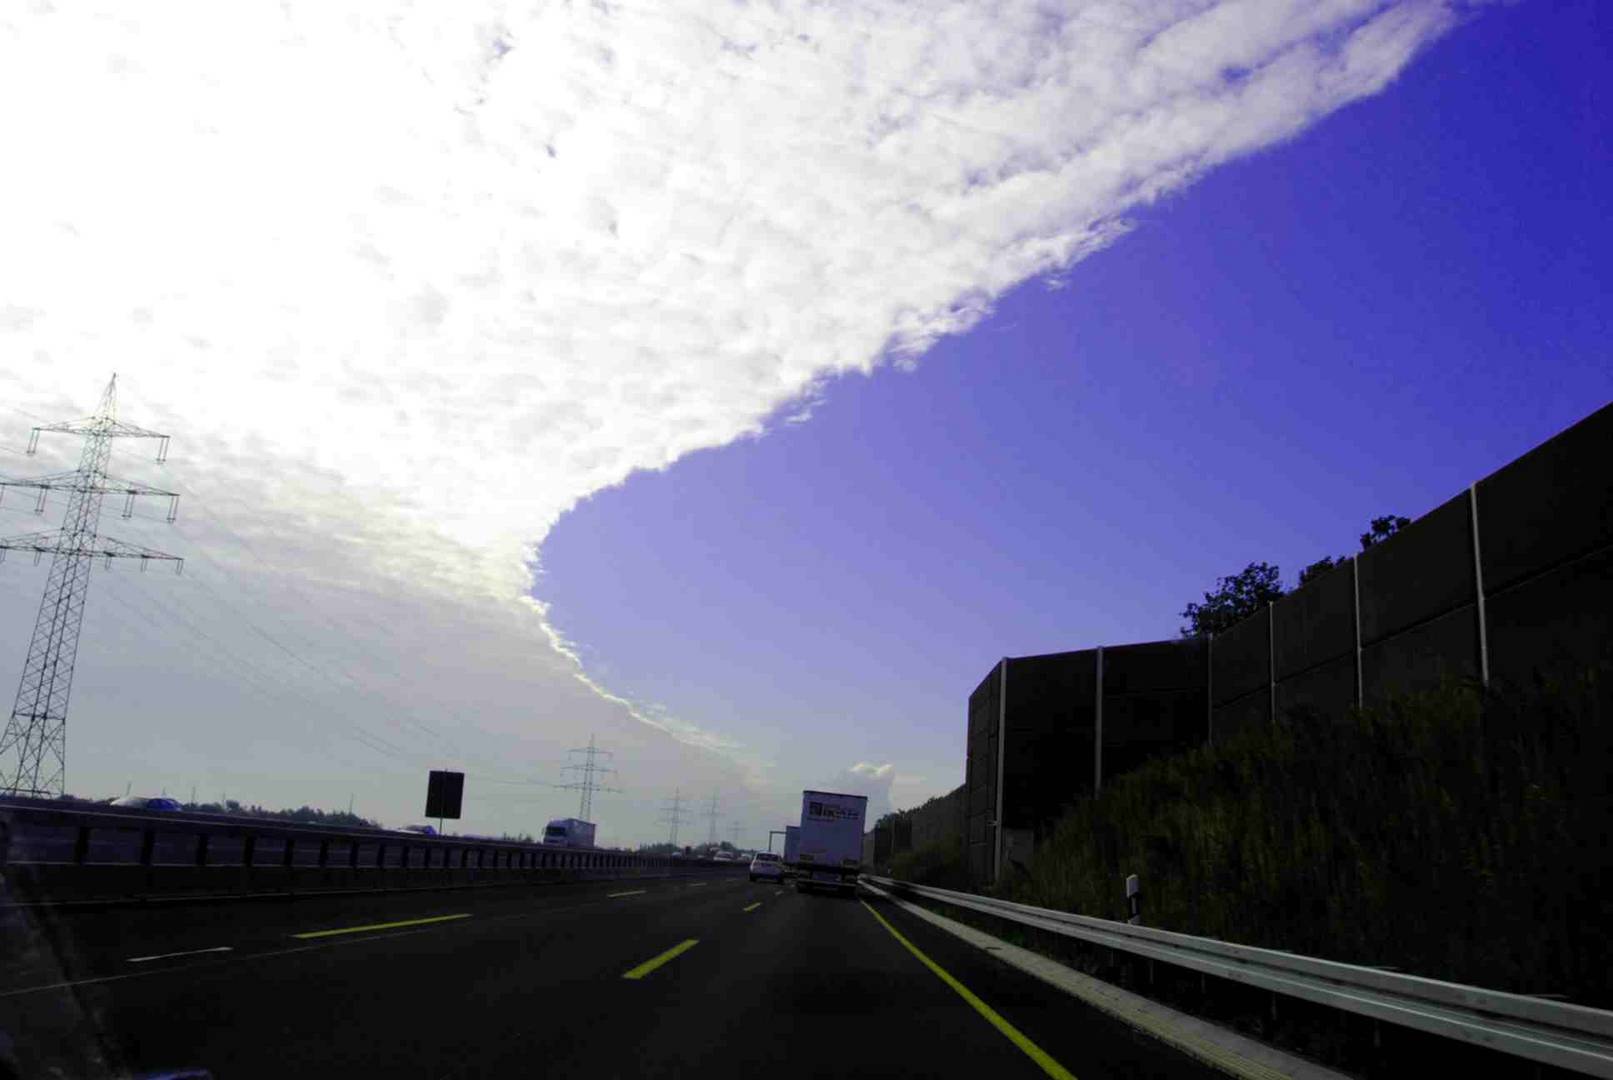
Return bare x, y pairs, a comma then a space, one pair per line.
33, 750
588, 785
711, 816
673, 814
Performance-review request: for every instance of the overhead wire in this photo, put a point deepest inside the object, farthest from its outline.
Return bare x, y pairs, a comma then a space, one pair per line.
381, 629
252, 673
258, 678
485, 772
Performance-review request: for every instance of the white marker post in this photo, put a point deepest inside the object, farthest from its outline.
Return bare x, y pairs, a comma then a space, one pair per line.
1134, 899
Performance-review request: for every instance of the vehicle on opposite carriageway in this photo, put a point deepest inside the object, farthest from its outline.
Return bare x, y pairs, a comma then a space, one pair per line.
569, 832
161, 803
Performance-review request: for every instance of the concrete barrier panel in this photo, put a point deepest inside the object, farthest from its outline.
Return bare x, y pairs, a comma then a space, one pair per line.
1046, 692
1240, 659
59, 882
110, 845
1557, 623
1328, 689
1420, 658
902, 834
174, 849
56, 843
1316, 623
1048, 763
1553, 504
884, 843
231, 851
981, 770
1233, 717
1423, 571
1138, 728
1154, 665
939, 821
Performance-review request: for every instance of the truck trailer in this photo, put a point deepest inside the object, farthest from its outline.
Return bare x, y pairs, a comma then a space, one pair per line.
569, 832
792, 845
830, 848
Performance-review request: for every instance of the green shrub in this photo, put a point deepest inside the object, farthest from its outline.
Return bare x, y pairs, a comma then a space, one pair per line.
1461, 834
940, 865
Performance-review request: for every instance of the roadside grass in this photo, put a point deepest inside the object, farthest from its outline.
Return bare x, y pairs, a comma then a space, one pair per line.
1462, 834
939, 865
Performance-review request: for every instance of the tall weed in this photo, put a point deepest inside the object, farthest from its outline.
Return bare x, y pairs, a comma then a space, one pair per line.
1461, 834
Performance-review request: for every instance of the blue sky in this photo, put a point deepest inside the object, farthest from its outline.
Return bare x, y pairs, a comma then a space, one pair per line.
1359, 321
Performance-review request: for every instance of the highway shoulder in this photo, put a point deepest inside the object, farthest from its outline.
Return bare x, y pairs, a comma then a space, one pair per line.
1221, 1048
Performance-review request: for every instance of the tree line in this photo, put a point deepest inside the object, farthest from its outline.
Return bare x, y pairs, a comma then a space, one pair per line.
1240, 595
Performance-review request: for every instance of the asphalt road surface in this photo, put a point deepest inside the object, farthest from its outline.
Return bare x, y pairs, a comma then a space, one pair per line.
711, 977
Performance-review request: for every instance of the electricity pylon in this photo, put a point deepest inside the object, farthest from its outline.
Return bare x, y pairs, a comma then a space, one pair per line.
33, 750
588, 785
711, 816
673, 815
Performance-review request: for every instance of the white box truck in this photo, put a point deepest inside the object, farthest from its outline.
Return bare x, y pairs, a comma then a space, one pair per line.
569, 832
792, 844
830, 849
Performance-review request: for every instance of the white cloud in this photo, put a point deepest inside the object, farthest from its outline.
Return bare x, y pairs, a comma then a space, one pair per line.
421, 277
865, 778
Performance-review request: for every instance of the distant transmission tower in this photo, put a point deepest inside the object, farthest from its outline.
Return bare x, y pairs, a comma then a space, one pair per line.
588, 785
733, 833
673, 815
711, 816
33, 750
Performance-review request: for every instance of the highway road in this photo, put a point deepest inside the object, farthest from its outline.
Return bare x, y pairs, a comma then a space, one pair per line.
661, 977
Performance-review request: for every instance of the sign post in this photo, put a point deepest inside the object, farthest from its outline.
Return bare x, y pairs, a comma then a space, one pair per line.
445, 792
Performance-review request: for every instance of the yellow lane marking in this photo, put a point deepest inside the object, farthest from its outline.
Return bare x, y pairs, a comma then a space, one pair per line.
634, 892
655, 962
1015, 1036
379, 926
754, 906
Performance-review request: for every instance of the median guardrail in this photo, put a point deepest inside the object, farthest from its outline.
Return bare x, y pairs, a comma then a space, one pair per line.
1540, 1030
48, 850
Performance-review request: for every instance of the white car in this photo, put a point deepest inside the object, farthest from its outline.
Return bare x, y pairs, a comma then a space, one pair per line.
766, 865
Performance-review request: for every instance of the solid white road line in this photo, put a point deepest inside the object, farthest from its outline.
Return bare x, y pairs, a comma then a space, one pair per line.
187, 952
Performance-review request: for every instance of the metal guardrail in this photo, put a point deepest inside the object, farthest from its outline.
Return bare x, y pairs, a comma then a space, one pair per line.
1549, 1032
40, 842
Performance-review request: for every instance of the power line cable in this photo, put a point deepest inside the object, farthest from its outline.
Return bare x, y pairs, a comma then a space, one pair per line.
253, 673
289, 631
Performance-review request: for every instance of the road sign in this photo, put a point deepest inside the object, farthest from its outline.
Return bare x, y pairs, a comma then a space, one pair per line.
444, 793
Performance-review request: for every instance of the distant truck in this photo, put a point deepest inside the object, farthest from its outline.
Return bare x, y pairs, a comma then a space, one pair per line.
829, 849
792, 845
569, 832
